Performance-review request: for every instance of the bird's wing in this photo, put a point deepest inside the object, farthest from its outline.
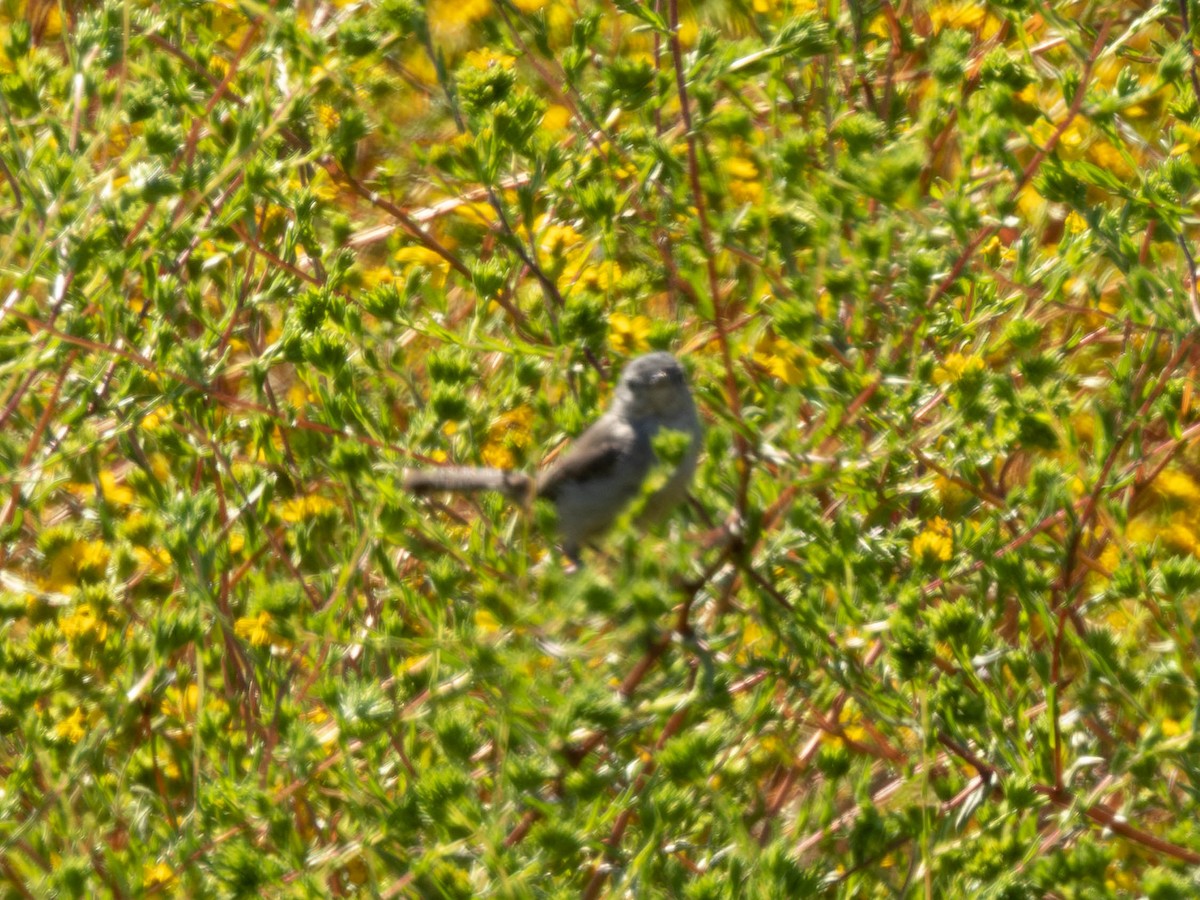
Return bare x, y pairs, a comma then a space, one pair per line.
595, 455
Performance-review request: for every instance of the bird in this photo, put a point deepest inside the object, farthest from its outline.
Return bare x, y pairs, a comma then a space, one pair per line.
605, 468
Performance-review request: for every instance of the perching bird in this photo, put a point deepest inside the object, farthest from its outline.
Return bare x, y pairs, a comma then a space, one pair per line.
605, 468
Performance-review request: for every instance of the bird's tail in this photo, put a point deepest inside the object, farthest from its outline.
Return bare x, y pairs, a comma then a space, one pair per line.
465, 479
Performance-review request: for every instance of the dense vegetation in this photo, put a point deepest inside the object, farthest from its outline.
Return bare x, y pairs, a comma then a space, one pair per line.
928, 625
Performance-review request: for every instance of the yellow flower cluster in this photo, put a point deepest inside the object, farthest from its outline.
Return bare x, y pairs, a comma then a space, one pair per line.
508, 433
628, 334
935, 544
1181, 531
77, 560
556, 118
786, 361
418, 255
486, 57
450, 20
955, 367
157, 875
568, 257
744, 185
181, 704
110, 489
556, 238
1176, 485
83, 624
1082, 140
71, 728
300, 508
328, 116
950, 493
967, 16
1187, 140
255, 629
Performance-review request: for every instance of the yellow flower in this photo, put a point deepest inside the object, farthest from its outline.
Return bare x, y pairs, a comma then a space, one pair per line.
556, 118
485, 622
377, 275
968, 16
1031, 204
419, 255
1177, 485
510, 431
271, 215
1109, 158
71, 728
479, 214
746, 191
743, 187
82, 489
955, 367
485, 58
114, 493
1110, 558
950, 493
1028, 95
1077, 134
935, 544
153, 559
498, 456
160, 466
556, 239
1107, 71
83, 623
418, 65
786, 361
438, 267
158, 874
1187, 140
93, 557
300, 508
450, 20
741, 168
181, 704
599, 277
991, 248
1180, 535
255, 629
688, 31
299, 396
1118, 619
328, 116
78, 559
51, 22
628, 334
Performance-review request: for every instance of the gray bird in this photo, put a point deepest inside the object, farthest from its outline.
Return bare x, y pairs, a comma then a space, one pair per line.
605, 468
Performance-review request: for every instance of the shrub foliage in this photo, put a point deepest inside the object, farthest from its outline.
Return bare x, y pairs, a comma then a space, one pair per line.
928, 625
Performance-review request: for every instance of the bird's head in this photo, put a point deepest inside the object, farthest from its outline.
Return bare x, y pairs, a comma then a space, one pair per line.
653, 384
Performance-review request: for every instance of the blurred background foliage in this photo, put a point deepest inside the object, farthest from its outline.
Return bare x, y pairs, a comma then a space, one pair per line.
928, 625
